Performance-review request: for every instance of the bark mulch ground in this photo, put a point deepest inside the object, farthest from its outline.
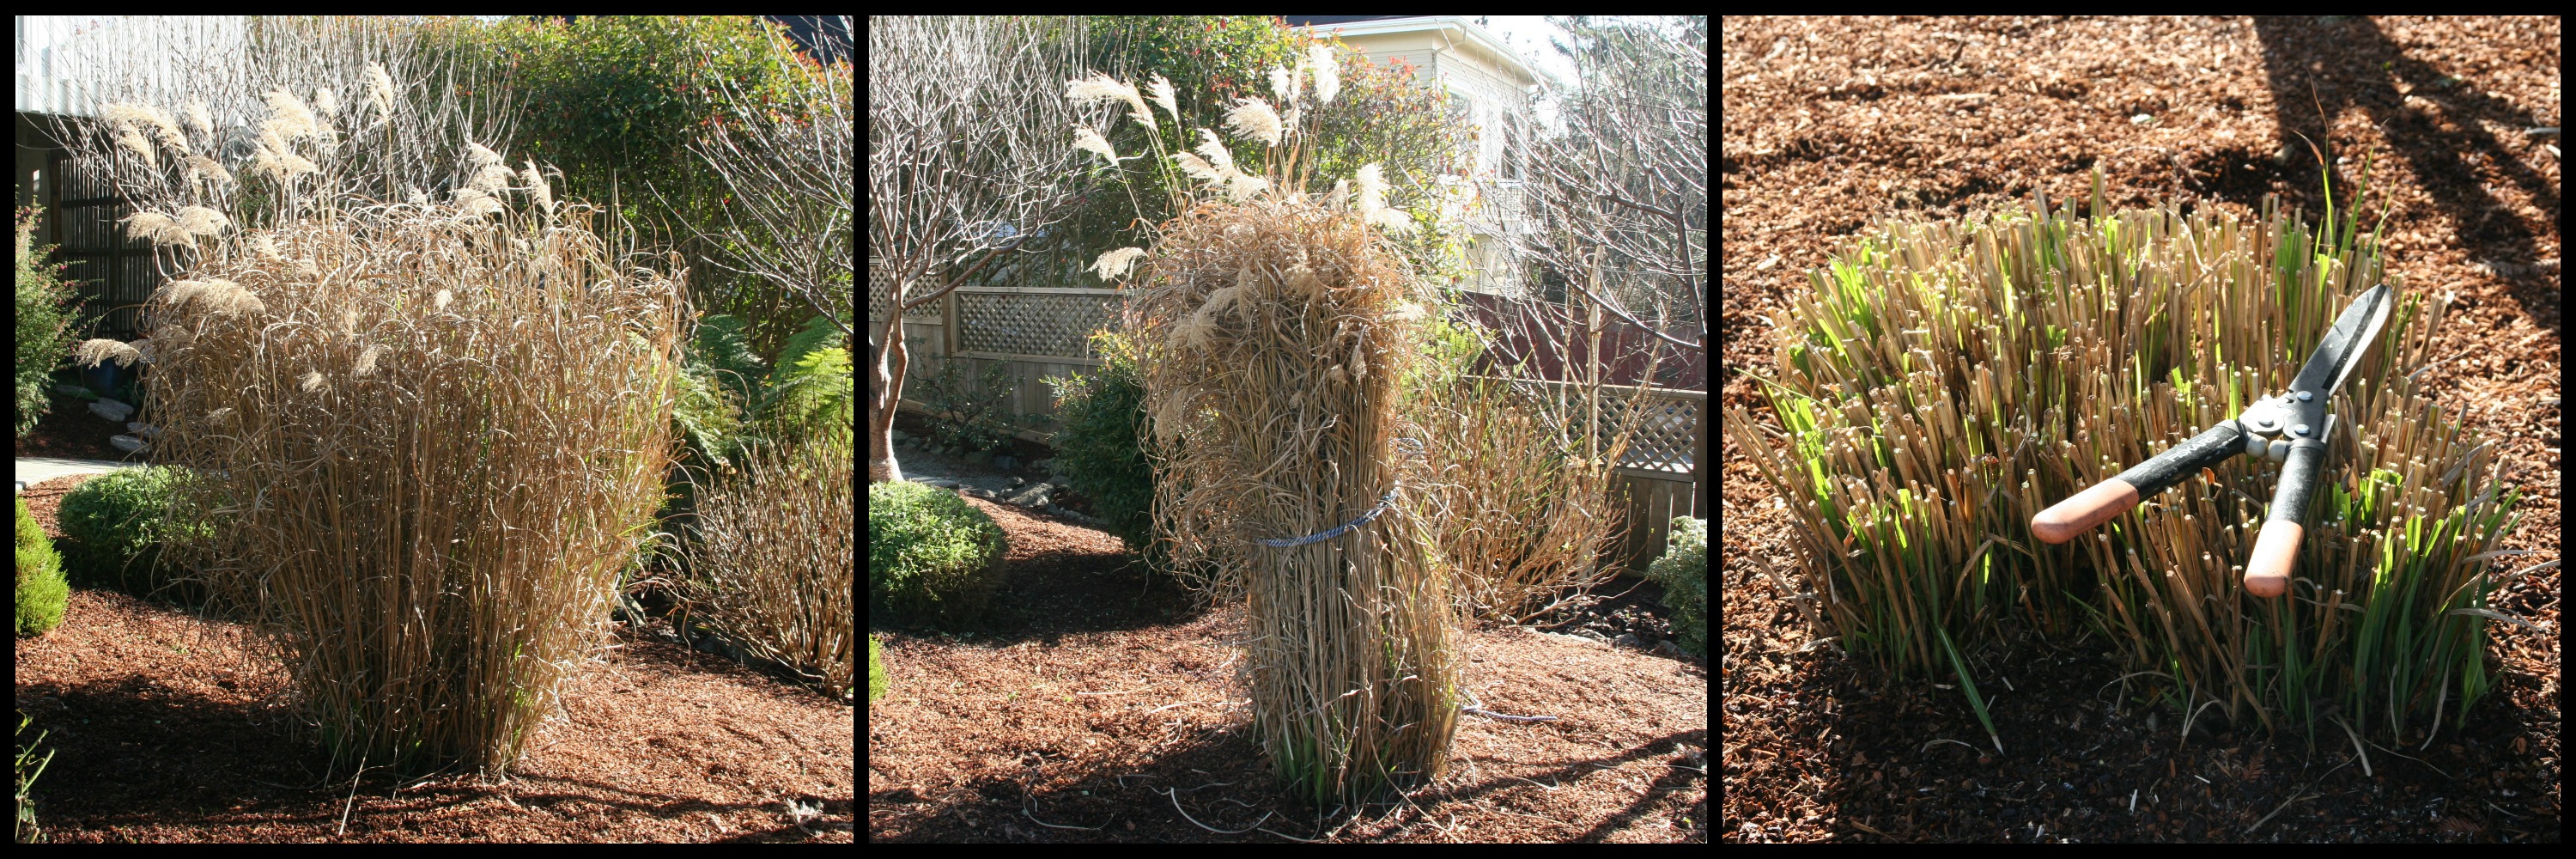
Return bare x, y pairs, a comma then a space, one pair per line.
169, 727
1095, 704
1833, 123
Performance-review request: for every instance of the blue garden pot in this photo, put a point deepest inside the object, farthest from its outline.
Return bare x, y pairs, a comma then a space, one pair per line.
104, 378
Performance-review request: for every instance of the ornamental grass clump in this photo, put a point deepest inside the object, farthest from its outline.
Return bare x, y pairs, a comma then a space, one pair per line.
432, 434
1942, 383
778, 544
42, 594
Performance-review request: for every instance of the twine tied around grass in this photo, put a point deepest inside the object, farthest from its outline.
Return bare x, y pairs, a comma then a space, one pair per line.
1417, 449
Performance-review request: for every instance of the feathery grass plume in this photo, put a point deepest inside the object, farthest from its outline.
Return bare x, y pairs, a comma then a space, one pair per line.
380, 90
134, 142
233, 299
288, 114
266, 246
543, 193
201, 121
1242, 186
367, 360
1328, 71
1253, 118
1280, 86
93, 352
1163, 96
208, 168
148, 118
443, 298
1114, 263
348, 322
311, 382
479, 156
1088, 140
471, 202
1101, 87
326, 102
492, 178
1941, 382
1217, 155
1198, 168
1341, 196
417, 197
158, 228
1288, 124
199, 220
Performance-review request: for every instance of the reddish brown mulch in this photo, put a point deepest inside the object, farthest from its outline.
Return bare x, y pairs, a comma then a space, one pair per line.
1832, 123
168, 727
1090, 690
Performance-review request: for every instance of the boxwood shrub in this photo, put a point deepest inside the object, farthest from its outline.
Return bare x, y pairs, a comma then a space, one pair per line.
931, 556
114, 525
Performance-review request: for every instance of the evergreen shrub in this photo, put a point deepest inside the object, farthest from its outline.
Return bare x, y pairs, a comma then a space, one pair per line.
931, 555
44, 322
1100, 440
42, 592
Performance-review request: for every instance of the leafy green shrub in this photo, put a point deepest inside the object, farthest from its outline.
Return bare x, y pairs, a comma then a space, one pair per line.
1099, 440
114, 525
1683, 571
876, 669
44, 322
930, 554
41, 590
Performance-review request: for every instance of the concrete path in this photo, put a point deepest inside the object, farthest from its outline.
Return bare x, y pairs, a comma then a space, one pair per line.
38, 469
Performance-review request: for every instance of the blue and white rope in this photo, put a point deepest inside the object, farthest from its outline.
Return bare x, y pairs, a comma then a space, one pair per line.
1417, 448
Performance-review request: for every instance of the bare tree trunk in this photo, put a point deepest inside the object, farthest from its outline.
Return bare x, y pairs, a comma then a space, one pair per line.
885, 396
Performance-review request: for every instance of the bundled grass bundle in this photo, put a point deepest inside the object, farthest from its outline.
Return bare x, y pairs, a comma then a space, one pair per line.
432, 438
1944, 382
1276, 333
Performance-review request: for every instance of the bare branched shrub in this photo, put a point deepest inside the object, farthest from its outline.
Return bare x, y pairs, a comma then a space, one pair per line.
431, 439
777, 574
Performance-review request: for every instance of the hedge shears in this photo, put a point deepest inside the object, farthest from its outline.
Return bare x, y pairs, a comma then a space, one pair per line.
2290, 428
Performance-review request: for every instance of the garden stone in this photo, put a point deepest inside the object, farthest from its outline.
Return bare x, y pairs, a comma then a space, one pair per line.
111, 410
1006, 463
981, 457
1046, 465
1017, 481
941, 482
1628, 640
1034, 496
146, 432
74, 390
126, 443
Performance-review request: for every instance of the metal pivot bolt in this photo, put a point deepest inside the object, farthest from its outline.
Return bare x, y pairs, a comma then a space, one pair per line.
2300, 430
2305, 396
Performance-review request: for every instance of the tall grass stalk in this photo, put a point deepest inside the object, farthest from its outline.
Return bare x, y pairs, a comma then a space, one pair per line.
1940, 383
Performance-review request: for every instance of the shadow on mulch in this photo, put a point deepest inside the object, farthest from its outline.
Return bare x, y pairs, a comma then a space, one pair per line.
1095, 703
